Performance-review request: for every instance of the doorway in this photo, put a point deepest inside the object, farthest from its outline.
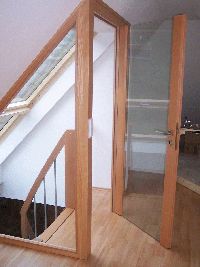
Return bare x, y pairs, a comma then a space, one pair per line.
103, 102
189, 167
154, 106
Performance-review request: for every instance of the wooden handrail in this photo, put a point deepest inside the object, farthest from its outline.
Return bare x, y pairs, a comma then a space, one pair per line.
65, 140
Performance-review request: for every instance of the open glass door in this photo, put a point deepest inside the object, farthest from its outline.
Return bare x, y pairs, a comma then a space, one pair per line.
154, 97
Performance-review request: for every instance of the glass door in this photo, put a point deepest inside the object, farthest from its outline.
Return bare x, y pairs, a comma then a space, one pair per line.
148, 133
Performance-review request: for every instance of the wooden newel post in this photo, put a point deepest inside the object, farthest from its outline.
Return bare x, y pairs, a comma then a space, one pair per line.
70, 169
84, 90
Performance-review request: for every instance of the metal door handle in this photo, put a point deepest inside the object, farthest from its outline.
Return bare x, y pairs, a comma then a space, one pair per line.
177, 136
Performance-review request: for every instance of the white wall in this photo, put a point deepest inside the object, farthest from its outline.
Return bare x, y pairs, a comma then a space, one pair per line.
21, 168
1, 178
26, 26
103, 119
56, 88
147, 156
20, 44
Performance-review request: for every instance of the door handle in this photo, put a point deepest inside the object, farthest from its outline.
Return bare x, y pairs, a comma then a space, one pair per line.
170, 133
177, 136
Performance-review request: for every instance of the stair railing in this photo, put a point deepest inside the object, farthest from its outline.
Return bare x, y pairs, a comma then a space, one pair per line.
68, 140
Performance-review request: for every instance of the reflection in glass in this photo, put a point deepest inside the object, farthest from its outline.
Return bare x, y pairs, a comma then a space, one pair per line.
148, 97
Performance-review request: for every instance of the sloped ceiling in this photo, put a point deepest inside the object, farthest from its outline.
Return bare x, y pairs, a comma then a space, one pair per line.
136, 11
26, 26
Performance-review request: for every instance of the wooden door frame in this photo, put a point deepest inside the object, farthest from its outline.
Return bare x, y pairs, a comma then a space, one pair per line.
84, 99
176, 89
122, 27
174, 124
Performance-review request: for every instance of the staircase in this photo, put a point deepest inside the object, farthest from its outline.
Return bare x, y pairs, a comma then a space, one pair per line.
41, 221
10, 222
32, 220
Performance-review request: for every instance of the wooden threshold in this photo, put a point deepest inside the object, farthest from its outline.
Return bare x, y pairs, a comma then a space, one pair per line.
38, 246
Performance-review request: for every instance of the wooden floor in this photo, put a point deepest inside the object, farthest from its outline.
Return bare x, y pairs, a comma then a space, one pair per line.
118, 243
189, 167
144, 211
143, 200
67, 241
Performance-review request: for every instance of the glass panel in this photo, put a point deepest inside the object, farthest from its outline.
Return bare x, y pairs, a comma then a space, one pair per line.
46, 67
4, 120
148, 97
150, 57
50, 215
189, 147
151, 120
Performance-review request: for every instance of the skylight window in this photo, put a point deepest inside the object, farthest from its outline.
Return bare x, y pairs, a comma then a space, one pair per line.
26, 96
46, 67
4, 120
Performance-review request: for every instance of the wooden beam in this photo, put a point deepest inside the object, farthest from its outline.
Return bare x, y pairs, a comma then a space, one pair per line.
106, 13
70, 170
84, 92
38, 246
174, 118
119, 131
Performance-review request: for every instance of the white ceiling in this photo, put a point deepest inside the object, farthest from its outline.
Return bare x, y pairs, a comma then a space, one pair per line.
136, 11
26, 26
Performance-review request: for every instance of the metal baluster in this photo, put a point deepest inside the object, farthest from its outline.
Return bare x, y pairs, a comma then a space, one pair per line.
35, 217
45, 205
56, 208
